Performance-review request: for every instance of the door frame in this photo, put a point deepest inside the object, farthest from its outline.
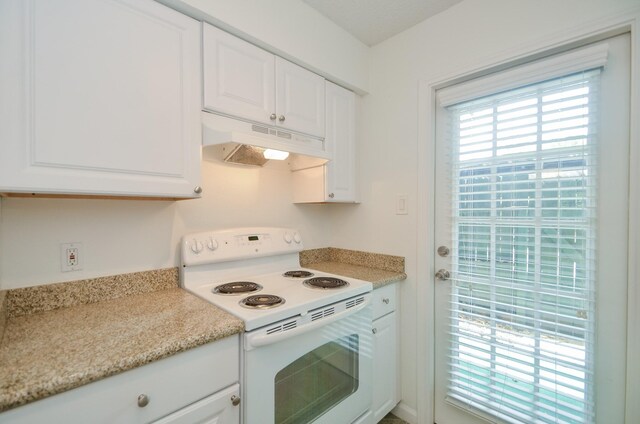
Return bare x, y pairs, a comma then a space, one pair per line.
628, 22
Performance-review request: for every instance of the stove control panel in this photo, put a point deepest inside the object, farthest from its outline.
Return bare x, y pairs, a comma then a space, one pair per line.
238, 243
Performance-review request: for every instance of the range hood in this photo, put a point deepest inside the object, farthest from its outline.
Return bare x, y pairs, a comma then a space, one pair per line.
245, 143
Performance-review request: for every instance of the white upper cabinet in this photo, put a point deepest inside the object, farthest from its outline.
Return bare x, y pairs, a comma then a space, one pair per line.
341, 143
335, 181
244, 81
99, 97
299, 99
239, 77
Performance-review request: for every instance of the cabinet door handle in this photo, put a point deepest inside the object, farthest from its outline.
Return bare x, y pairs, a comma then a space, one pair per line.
143, 400
374, 330
331, 195
385, 300
281, 118
197, 190
235, 400
273, 117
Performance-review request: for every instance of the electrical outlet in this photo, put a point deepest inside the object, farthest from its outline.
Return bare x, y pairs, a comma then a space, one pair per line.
70, 257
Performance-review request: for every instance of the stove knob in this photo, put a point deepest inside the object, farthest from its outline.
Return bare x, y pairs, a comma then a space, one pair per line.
196, 247
296, 237
287, 238
212, 244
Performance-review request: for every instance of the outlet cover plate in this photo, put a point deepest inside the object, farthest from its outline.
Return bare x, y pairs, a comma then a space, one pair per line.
70, 256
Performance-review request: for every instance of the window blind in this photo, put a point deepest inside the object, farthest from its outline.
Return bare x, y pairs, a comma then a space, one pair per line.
522, 305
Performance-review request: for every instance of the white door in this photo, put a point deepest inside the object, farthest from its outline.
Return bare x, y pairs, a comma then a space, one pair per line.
299, 99
239, 78
532, 203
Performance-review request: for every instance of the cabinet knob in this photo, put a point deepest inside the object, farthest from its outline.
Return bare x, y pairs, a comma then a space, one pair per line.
143, 400
273, 117
331, 195
281, 118
197, 190
235, 400
385, 300
374, 330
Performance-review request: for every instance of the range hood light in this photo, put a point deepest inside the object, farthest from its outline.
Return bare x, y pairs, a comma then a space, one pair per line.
275, 154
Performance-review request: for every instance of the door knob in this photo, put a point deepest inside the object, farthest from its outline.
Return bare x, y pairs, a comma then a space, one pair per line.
235, 400
442, 275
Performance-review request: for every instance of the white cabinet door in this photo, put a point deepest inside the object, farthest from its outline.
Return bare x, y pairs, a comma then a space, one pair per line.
384, 366
215, 409
335, 181
340, 142
299, 99
99, 97
239, 78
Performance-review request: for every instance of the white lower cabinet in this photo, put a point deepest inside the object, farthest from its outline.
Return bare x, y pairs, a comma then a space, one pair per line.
198, 385
385, 357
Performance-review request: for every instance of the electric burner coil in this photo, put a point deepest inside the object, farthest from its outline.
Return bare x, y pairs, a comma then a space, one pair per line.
237, 287
325, 283
262, 301
298, 274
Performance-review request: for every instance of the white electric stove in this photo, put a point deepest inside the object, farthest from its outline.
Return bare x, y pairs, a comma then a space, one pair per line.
307, 346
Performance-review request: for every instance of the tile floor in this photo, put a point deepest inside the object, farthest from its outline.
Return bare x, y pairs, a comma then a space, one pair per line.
391, 419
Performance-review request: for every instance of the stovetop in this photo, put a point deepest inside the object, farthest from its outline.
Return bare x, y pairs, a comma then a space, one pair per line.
299, 299
261, 256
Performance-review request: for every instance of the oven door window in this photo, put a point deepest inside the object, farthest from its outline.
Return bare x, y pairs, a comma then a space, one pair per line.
316, 382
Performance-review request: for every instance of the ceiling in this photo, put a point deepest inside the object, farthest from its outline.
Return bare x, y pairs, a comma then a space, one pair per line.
373, 21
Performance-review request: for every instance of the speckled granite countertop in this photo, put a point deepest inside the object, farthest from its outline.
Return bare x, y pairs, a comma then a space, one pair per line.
379, 269
45, 353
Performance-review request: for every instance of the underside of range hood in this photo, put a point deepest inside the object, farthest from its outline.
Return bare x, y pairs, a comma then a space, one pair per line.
245, 143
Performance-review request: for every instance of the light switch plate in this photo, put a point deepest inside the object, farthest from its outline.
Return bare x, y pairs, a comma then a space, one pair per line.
402, 207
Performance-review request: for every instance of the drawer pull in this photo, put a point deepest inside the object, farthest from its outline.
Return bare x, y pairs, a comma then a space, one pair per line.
374, 330
385, 300
235, 400
143, 400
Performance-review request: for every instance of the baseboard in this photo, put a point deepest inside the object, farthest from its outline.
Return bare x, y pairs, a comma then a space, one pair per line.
405, 412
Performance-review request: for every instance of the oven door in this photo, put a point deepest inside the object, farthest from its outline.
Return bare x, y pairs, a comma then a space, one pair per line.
320, 375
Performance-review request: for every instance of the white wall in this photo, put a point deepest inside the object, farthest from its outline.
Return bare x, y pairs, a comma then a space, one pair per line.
292, 30
121, 236
464, 37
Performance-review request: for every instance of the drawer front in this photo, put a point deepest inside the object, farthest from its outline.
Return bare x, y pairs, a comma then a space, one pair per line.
169, 384
218, 408
384, 300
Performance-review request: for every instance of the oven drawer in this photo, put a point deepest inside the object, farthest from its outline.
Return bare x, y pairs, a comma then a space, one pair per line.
384, 300
168, 385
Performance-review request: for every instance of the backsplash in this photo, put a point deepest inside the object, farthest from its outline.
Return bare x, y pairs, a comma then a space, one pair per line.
354, 257
3, 312
30, 300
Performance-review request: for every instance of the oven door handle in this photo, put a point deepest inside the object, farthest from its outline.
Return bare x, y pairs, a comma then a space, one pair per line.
257, 340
